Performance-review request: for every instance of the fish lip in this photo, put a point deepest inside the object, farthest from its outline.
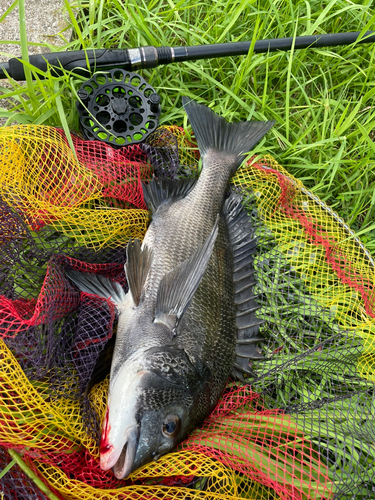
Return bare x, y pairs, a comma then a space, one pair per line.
111, 456
124, 464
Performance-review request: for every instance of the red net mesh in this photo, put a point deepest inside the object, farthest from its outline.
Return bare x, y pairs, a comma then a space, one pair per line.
336, 254
264, 445
56, 299
120, 171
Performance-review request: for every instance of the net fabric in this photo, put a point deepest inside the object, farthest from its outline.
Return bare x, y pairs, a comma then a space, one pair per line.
61, 334
313, 323
15, 485
81, 196
336, 268
43, 319
74, 470
24, 253
263, 444
308, 436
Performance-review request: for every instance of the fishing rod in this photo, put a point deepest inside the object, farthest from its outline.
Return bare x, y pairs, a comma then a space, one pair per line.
119, 107
85, 62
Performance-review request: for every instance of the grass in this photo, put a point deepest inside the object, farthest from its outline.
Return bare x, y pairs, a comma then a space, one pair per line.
321, 99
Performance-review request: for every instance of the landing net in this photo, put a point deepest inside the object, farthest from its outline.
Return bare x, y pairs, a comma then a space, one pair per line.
302, 427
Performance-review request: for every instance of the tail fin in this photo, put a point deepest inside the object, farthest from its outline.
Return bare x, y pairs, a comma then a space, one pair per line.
214, 132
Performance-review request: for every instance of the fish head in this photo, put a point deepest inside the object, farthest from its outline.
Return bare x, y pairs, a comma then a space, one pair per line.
151, 405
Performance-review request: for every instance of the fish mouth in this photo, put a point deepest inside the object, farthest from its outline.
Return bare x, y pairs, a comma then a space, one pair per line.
124, 464
121, 429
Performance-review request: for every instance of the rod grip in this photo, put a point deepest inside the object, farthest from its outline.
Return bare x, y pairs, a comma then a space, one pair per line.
80, 62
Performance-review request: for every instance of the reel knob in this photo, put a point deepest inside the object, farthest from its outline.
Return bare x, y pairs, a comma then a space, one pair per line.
154, 102
118, 108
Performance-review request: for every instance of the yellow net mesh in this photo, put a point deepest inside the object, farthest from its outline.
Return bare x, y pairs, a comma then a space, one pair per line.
82, 196
188, 153
103, 226
231, 484
31, 421
335, 266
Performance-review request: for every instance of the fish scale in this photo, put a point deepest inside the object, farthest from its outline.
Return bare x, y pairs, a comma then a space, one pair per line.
176, 249
179, 324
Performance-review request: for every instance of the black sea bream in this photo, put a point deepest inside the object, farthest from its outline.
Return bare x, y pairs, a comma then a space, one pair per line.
189, 304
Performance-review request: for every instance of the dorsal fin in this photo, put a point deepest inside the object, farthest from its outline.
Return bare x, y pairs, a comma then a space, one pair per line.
244, 244
178, 287
137, 266
159, 191
97, 284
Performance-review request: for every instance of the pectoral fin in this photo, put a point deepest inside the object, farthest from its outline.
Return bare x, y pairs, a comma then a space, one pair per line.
177, 288
97, 284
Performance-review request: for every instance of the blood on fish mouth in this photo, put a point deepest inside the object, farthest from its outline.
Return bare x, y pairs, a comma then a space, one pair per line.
105, 448
104, 445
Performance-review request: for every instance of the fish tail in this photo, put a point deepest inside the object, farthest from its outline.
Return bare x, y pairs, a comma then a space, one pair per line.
216, 134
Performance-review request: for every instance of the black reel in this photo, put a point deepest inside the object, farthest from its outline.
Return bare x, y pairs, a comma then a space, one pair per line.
118, 107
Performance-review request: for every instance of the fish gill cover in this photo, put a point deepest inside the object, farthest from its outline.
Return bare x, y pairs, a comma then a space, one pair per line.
301, 427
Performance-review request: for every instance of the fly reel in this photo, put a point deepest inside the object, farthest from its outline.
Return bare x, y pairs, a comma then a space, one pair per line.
118, 107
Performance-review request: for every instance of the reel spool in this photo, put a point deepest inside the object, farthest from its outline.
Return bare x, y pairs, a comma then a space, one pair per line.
118, 107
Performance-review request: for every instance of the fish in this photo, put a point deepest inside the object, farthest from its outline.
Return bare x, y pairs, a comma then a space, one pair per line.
188, 320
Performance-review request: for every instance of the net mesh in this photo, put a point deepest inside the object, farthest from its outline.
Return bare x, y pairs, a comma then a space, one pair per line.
82, 196
15, 485
333, 264
300, 428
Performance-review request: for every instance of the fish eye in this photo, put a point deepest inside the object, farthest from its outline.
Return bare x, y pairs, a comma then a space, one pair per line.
171, 426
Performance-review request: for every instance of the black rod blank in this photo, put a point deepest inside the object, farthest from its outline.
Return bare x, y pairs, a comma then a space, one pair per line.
272, 45
87, 62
